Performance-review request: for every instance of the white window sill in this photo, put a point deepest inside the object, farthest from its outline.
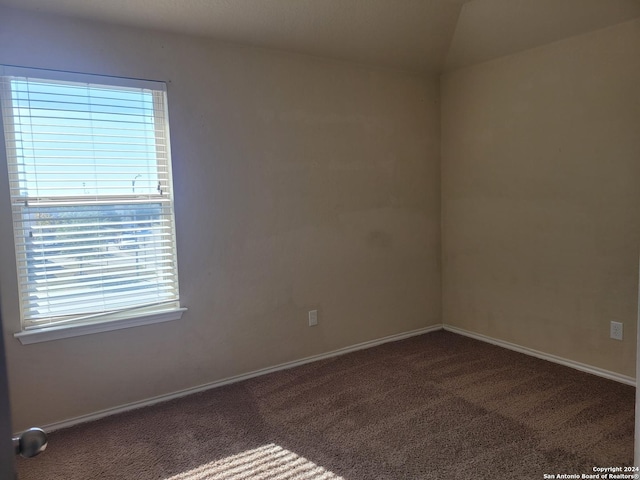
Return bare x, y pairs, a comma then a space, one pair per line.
46, 334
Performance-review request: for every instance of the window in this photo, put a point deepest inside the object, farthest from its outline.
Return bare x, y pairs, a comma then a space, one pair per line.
91, 193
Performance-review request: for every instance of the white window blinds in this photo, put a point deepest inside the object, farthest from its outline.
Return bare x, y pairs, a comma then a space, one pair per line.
91, 193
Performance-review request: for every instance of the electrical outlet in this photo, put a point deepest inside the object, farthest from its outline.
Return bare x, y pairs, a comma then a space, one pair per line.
616, 330
313, 318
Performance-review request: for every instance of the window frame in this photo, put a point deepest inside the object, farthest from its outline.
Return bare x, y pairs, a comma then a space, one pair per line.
101, 322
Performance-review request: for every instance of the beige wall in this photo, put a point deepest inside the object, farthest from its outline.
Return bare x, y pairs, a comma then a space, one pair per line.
300, 183
541, 197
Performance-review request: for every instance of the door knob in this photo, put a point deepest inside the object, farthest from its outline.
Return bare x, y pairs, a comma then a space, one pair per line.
30, 443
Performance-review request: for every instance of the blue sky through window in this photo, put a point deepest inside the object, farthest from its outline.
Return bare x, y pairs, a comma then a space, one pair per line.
76, 139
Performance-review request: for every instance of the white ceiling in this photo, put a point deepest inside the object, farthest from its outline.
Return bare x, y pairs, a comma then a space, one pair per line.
423, 35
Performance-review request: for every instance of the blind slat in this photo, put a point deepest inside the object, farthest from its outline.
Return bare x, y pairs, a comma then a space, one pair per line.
96, 304
54, 257
155, 255
70, 288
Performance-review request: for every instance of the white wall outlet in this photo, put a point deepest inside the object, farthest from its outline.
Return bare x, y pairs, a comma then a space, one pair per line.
616, 330
313, 318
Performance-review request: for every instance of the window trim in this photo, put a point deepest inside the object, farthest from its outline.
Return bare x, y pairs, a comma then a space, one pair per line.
117, 320
46, 334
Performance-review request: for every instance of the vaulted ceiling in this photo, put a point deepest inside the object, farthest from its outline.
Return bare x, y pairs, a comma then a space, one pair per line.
422, 35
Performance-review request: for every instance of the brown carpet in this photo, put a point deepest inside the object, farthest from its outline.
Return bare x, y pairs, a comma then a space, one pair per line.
437, 406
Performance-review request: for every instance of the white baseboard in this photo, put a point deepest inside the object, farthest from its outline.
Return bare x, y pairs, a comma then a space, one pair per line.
342, 351
545, 356
238, 378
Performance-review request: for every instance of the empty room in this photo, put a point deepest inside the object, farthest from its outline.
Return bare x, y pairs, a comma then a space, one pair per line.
319, 239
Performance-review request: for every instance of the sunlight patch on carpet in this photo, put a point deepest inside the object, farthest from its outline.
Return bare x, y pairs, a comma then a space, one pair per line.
266, 462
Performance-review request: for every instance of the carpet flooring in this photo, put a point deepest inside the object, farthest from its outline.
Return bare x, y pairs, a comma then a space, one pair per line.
436, 406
